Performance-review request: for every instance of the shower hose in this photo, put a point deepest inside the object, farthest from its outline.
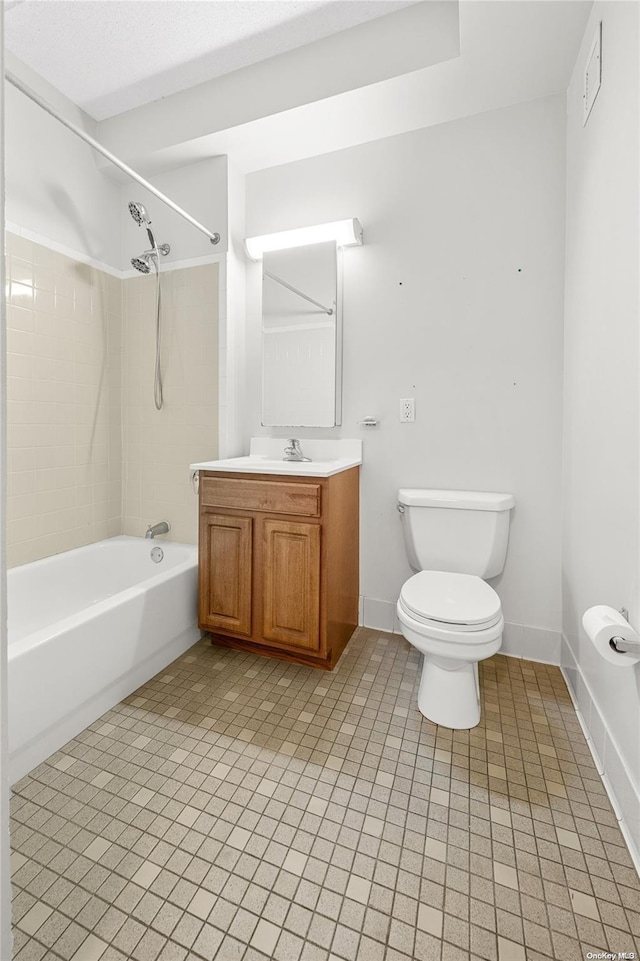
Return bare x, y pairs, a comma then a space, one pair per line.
157, 383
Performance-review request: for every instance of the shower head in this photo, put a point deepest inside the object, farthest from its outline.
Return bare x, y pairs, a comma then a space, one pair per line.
139, 213
141, 264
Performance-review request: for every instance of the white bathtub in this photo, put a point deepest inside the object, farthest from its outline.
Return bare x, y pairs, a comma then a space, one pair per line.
86, 628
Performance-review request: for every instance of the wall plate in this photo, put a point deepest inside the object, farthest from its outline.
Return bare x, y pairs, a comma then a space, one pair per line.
592, 74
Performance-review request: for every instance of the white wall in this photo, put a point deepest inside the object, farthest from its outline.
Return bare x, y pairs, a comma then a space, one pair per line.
201, 190
5, 882
601, 423
455, 299
233, 323
54, 188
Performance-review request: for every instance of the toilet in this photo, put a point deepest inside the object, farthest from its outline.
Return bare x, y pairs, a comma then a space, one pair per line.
455, 540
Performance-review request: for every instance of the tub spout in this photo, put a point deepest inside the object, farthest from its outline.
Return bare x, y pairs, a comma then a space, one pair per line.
162, 527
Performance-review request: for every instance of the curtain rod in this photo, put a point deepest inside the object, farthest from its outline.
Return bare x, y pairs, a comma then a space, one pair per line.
279, 280
79, 132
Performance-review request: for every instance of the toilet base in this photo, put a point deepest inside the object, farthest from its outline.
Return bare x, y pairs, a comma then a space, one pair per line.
449, 692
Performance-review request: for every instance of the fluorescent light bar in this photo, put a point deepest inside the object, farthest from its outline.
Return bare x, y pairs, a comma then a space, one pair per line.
346, 233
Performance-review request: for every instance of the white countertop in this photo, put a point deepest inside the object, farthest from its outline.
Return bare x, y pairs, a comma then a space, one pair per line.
266, 453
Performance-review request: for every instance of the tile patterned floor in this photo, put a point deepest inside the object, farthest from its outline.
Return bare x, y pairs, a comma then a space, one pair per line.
238, 807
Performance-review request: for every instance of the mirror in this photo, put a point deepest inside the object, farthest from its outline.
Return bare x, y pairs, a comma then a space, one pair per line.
301, 337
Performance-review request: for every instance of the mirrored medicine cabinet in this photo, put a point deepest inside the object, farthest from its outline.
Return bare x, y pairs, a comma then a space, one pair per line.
302, 336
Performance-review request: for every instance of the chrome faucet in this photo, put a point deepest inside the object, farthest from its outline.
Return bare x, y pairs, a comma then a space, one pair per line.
162, 527
293, 451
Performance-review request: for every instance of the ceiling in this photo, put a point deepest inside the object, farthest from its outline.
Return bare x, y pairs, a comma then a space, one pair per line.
109, 56
172, 82
432, 68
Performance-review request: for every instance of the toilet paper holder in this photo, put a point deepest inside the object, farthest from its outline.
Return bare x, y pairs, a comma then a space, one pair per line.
622, 646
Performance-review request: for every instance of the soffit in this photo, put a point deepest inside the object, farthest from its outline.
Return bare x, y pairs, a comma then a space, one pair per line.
114, 55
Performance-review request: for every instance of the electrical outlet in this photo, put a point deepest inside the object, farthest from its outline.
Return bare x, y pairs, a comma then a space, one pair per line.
407, 410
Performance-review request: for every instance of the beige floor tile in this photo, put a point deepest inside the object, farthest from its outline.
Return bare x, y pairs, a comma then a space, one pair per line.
35, 918
505, 875
317, 806
92, 949
143, 796
202, 903
294, 862
102, 779
97, 848
430, 920
146, 874
510, 950
358, 889
265, 937
569, 839
584, 904
239, 838
435, 849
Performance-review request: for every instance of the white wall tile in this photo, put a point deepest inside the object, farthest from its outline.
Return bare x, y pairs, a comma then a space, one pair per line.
86, 445
60, 379
158, 446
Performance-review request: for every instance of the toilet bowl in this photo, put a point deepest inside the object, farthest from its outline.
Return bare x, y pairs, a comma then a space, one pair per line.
454, 620
447, 611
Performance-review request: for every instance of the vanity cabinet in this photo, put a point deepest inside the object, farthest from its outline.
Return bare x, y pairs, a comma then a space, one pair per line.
278, 563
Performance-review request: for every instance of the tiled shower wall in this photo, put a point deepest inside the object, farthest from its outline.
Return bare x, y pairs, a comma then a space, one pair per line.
63, 413
158, 446
88, 454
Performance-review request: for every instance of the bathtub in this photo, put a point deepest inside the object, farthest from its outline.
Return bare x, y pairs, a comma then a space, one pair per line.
86, 628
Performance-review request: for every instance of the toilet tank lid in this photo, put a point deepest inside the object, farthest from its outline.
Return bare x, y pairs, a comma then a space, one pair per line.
461, 500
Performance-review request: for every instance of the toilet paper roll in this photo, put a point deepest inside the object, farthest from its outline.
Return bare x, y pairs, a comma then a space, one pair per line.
603, 623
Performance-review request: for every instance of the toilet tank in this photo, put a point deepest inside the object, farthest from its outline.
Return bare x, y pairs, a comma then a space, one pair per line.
461, 531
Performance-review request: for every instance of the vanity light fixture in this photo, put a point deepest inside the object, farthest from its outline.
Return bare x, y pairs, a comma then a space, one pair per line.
346, 233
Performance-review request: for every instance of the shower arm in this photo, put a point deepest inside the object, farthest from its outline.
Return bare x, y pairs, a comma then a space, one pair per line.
79, 132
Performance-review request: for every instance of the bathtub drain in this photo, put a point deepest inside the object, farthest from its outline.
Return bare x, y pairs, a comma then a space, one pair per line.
156, 554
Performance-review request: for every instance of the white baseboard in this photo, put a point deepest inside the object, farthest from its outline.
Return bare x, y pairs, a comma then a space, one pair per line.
532, 643
612, 768
518, 640
379, 615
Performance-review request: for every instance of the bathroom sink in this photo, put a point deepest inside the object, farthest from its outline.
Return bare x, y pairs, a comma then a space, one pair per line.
327, 457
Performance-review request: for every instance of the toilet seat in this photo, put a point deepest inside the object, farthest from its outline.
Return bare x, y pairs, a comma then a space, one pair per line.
457, 638
446, 601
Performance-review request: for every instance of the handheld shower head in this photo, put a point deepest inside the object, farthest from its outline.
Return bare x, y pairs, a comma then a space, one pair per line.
141, 264
139, 213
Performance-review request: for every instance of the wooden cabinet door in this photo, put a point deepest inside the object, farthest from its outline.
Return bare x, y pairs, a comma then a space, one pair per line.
225, 573
291, 583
